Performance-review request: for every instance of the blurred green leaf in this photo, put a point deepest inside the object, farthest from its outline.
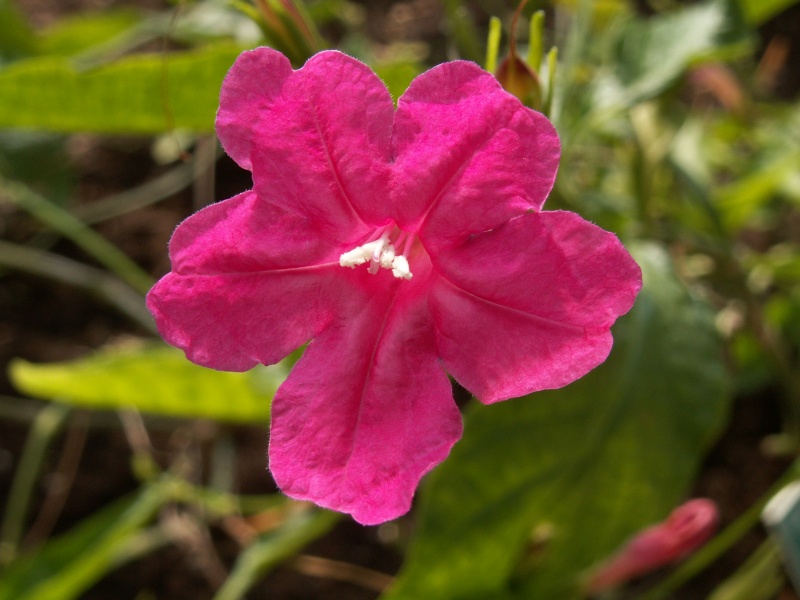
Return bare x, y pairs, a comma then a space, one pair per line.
760, 578
17, 39
541, 488
741, 199
398, 75
756, 12
67, 565
152, 378
651, 54
85, 31
139, 94
38, 160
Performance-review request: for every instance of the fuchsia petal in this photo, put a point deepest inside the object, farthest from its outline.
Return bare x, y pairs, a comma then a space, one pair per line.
537, 297
319, 142
250, 89
468, 155
368, 410
248, 285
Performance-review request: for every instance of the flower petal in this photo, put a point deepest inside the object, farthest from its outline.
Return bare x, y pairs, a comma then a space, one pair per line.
250, 89
468, 155
248, 285
316, 139
367, 411
537, 296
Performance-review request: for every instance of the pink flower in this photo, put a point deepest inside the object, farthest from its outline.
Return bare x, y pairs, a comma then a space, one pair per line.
686, 529
405, 245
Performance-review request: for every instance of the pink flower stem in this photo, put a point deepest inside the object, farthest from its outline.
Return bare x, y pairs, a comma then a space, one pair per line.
408, 244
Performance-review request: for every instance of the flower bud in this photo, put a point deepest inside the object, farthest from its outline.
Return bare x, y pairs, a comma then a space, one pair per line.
686, 529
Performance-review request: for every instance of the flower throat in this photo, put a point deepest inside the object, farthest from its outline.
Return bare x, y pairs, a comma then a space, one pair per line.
382, 253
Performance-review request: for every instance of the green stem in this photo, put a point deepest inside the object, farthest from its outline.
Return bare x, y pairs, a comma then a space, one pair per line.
493, 44
273, 548
171, 182
43, 431
78, 232
536, 41
552, 65
59, 268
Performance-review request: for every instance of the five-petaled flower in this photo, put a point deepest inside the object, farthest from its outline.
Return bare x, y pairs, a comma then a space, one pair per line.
404, 244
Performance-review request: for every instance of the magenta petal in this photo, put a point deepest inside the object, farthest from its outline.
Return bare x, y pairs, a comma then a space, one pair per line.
250, 89
248, 285
317, 139
537, 296
366, 412
468, 155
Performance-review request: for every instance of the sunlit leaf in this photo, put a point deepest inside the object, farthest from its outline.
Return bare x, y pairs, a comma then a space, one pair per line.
542, 487
155, 379
148, 93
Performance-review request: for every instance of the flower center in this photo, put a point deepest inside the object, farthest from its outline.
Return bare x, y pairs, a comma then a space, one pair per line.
381, 252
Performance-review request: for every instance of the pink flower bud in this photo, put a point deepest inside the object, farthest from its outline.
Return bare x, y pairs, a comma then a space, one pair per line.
686, 529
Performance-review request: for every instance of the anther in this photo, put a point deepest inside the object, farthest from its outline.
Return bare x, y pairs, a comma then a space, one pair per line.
381, 254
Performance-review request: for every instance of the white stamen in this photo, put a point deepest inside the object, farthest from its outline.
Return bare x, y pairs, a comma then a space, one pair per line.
387, 256
400, 267
360, 255
379, 254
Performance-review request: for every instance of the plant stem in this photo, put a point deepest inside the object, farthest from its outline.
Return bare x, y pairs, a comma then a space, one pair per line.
78, 232
43, 431
59, 268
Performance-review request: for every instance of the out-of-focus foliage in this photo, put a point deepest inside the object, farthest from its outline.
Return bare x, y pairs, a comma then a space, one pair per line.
138, 94
72, 562
155, 379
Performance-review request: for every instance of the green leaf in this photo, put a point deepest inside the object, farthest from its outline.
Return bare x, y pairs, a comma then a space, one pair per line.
651, 54
739, 201
398, 75
543, 487
756, 12
152, 378
148, 93
67, 565
86, 31
17, 39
